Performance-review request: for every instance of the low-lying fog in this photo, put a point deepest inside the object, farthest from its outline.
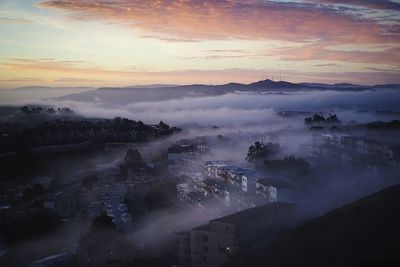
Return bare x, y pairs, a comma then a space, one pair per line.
245, 118
248, 117
242, 108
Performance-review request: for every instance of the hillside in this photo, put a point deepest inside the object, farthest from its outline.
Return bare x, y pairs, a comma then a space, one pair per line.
364, 233
125, 95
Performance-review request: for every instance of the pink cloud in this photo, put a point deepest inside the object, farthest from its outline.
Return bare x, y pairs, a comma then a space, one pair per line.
231, 19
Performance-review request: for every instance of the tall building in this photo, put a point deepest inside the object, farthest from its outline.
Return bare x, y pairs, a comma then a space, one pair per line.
212, 244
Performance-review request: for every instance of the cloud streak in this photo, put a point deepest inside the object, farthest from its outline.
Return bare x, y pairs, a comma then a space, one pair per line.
12, 20
322, 52
374, 4
231, 19
59, 72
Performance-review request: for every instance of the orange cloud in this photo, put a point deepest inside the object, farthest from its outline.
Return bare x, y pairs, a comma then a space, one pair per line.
79, 73
232, 19
57, 71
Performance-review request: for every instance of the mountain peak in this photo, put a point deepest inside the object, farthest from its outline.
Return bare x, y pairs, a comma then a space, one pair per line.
272, 84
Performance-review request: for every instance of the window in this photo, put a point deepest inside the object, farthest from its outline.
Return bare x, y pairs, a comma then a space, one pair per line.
205, 249
205, 238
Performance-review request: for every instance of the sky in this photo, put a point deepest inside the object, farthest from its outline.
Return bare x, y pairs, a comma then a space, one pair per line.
132, 42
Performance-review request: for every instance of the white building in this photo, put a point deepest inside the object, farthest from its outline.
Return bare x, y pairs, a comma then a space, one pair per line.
265, 189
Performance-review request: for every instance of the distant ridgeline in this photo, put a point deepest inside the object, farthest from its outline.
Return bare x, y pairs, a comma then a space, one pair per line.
136, 94
38, 130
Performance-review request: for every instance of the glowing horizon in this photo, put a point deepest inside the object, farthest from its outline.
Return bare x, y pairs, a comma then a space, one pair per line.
121, 43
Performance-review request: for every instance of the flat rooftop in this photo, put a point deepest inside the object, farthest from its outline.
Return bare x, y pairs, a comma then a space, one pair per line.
261, 211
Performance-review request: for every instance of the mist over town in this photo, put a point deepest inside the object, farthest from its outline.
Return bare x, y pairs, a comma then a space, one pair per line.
199, 133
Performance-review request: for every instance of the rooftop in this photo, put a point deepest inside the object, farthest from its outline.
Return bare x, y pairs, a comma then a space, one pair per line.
242, 217
203, 227
241, 171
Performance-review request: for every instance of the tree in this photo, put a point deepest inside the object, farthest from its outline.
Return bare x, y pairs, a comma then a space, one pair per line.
66, 110
25, 109
314, 119
260, 151
332, 118
318, 119
133, 160
163, 125
103, 244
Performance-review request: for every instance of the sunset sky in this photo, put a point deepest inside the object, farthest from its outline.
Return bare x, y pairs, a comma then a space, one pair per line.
130, 42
